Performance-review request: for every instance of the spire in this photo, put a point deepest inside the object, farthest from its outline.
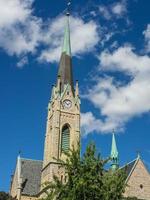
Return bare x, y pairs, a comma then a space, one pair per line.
65, 65
66, 43
114, 153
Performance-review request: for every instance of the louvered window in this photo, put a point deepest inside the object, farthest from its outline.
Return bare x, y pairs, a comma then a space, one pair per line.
65, 139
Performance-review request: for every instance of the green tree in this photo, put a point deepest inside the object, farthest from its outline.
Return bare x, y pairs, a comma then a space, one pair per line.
132, 198
5, 196
113, 185
87, 178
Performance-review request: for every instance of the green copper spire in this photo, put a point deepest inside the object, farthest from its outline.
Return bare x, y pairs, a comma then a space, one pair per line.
114, 154
67, 44
65, 75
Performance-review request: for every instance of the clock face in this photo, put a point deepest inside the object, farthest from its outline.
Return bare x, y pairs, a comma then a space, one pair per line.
67, 103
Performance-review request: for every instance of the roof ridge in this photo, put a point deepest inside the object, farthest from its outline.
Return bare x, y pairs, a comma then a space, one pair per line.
128, 163
31, 159
136, 161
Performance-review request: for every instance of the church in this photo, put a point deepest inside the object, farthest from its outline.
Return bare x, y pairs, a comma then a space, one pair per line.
63, 132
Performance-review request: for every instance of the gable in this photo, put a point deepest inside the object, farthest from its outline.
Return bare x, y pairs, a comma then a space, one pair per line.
14, 183
31, 178
138, 182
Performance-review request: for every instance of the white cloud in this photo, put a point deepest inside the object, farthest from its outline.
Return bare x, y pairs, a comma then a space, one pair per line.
19, 28
22, 62
90, 124
14, 11
119, 8
147, 38
115, 10
104, 10
118, 102
84, 37
21, 32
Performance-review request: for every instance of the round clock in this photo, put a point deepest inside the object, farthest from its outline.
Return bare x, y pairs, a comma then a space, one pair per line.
67, 103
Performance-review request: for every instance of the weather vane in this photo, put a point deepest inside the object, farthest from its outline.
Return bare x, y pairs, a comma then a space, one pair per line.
68, 7
20, 152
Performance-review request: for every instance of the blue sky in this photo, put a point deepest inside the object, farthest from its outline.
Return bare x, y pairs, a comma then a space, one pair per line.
111, 60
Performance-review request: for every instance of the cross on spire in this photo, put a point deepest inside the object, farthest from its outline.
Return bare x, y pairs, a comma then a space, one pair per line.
138, 153
68, 7
19, 152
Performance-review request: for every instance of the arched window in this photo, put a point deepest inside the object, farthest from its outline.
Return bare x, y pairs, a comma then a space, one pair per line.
65, 141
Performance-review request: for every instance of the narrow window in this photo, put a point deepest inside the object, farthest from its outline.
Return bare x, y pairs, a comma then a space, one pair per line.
61, 178
65, 145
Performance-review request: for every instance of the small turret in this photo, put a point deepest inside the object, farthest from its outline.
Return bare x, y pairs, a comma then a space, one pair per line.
59, 84
114, 154
77, 89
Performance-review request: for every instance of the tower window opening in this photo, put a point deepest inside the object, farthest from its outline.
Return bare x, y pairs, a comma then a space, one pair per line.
65, 144
61, 178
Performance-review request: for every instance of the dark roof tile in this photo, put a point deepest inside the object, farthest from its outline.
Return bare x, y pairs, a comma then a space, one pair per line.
31, 174
128, 167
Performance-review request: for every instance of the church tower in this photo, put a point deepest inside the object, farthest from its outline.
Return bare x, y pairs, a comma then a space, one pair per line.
63, 121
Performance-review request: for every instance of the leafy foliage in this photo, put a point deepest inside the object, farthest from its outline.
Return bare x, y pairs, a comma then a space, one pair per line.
132, 198
114, 185
5, 196
86, 178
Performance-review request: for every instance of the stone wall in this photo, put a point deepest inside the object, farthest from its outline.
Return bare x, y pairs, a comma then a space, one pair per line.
23, 197
14, 184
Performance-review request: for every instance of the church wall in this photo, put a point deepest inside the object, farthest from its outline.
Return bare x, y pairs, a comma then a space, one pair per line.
48, 172
14, 184
139, 183
23, 197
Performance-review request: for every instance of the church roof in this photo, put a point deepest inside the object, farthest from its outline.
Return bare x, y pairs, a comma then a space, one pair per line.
31, 176
129, 167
